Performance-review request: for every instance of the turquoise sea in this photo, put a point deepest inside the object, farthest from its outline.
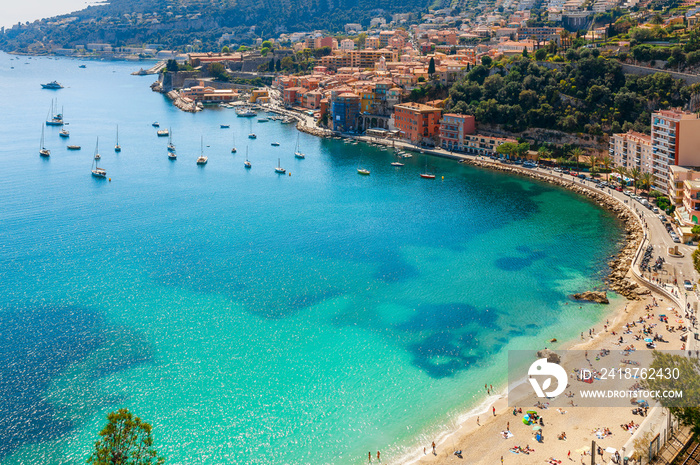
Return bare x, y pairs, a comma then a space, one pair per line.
254, 318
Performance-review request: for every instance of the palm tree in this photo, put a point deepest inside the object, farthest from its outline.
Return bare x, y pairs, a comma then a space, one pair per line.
560, 161
622, 171
645, 182
607, 162
576, 153
635, 174
594, 162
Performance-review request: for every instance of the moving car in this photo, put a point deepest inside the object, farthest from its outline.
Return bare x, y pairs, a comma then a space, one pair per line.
688, 285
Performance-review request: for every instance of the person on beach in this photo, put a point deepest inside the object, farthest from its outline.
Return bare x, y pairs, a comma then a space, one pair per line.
477, 421
369, 457
494, 411
434, 452
378, 459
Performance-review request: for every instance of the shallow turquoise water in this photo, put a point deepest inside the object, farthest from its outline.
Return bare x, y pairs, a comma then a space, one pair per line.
252, 317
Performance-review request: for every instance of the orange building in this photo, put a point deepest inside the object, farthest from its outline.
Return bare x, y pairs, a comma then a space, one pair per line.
417, 121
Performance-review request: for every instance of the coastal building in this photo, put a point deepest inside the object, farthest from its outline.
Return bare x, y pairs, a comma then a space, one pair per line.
347, 45
632, 150
683, 193
454, 128
417, 122
345, 107
675, 138
483, 145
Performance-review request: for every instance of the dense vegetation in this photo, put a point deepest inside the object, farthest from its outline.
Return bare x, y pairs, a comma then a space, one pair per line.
176, 26
590, 94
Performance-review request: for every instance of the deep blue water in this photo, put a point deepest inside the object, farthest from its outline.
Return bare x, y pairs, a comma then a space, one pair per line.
253, 317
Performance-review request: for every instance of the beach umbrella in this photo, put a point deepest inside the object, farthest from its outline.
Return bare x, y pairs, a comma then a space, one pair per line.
536, 428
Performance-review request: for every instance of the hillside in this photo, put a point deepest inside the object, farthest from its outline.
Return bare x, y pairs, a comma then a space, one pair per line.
177, 23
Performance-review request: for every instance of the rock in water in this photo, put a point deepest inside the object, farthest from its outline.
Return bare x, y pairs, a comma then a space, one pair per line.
551, 357
600, 297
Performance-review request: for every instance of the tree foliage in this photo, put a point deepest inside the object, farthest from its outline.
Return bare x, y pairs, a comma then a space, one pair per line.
126, 440
591, 95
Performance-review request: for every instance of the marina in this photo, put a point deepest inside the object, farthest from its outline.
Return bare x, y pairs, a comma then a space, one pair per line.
239, 272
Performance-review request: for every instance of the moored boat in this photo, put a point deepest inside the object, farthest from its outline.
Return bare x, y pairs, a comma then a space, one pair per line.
73, 147
52, 85
279, 169
43, 151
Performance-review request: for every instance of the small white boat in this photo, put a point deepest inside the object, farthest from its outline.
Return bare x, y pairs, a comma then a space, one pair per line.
171, 146
97, 171
275, 144
155, 124
73, 147
117, 147
64, 133
279, 169
43, 151
396, 163
202, 160
162, 132
247, 163
252, 136
363, 171
297, 152
172, 156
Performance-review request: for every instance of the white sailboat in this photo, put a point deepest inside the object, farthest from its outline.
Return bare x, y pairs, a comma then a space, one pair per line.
279, 169
427, 174
43, 151
171, 146
233, 150
97, 171
247, 163
202, 160
117, 147
297, 152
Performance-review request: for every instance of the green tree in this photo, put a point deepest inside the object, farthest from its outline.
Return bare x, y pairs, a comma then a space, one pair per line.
126, 440
431, 66
645, 182
635, 174
540, 54
687, 408
218, 71
171, 65
575, 155
594, 163
271, 66
508, 148
525, 54
267, 44
225, 50
278, 66
486, 60
607, 162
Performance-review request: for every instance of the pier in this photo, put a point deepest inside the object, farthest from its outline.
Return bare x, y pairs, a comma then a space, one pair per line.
155, 69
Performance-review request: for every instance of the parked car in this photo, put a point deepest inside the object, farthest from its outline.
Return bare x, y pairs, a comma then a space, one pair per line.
662, 217
558, 170
676, 239
688, 285
618, 188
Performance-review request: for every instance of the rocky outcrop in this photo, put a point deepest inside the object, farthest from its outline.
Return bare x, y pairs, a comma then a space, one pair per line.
599, 297
619, 279
183, 103
551, 356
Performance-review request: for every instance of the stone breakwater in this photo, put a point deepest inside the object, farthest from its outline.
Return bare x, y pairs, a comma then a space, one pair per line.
619, 279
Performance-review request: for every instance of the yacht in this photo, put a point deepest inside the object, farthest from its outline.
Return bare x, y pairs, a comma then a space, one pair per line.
155, 124
54, 119
43, 151
117, 147
97, 171
171, 146
297, 152
397, 163
246, 112
225, 126
202, 160
427, 174
279, 169
162, 132
64, 132
73, 147
52, 85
